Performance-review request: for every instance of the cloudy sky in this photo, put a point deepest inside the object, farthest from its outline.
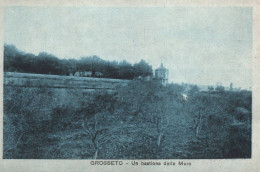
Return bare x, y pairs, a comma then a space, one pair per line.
198, 45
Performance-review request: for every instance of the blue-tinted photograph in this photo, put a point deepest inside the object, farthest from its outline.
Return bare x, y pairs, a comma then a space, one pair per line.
127, 83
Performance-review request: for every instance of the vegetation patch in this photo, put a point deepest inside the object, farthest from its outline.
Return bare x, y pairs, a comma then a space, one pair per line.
142, 120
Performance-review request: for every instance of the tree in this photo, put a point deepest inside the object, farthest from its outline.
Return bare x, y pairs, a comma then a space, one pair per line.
210, 89
125, 70
220, 89
231, 87
96, 132
22, 130
96, 120
143, 69
193, 90
162, 112
45, 63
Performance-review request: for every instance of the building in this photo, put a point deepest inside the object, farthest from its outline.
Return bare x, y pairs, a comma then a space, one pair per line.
143, 78
83, 73
87, 74
162, 74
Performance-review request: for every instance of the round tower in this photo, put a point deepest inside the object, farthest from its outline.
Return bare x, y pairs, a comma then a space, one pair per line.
162, 74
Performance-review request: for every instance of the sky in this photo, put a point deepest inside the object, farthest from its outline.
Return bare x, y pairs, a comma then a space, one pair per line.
198, 45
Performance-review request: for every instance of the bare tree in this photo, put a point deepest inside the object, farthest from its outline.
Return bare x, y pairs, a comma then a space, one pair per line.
161, 126
162, 116
198, 123
96, 132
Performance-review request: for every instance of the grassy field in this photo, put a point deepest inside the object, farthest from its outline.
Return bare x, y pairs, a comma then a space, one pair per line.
142, 120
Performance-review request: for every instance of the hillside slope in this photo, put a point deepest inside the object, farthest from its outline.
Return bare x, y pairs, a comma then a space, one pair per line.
141, 120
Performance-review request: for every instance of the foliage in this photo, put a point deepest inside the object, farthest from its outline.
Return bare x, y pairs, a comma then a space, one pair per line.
142, 120
220, 89
44, 63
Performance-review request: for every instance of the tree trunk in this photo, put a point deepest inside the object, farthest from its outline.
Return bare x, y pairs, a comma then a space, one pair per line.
159, 139
199, 123
96, 154
197, 130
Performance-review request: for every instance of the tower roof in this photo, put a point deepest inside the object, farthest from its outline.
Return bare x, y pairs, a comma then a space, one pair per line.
161, 67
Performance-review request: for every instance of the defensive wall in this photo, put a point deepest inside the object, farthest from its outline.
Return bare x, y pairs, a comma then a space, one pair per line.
57, 81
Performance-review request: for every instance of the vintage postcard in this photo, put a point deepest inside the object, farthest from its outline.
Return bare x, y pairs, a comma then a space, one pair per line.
130, 86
